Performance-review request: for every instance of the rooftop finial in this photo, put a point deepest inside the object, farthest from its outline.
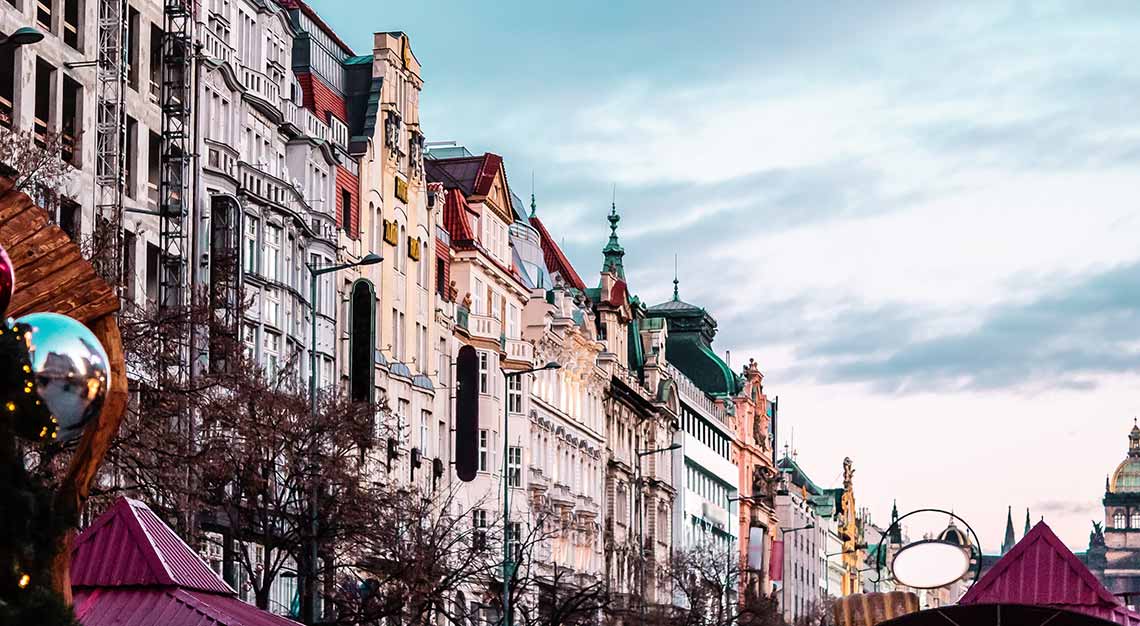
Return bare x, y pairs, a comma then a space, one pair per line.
676, 283
532, 203
613, 251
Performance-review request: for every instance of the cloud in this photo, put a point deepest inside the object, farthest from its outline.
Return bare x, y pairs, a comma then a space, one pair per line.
1065, 507
1088, 325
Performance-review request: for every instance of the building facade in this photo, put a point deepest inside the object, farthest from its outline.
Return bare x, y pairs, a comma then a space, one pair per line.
1114, 546
754, 426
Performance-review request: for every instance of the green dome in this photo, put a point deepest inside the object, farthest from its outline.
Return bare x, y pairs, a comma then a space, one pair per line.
1126, 478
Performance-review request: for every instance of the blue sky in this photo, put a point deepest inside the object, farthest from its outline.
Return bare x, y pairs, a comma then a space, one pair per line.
917, 217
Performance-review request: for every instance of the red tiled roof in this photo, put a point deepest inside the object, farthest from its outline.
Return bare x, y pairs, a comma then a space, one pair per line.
168, 606
455, 210
130, 546
1041, 571
556, 261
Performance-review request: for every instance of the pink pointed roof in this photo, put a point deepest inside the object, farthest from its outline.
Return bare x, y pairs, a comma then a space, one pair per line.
129, 568
130, 546
1041, 571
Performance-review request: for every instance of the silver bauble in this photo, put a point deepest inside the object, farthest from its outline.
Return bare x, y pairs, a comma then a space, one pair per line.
70, 370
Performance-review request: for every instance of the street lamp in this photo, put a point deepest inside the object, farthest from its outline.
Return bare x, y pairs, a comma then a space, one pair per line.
508, 563
22, 37
309, 608
641, 520
784, 586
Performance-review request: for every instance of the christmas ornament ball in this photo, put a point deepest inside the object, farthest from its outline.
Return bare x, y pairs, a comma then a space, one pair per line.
7, 280
70, 371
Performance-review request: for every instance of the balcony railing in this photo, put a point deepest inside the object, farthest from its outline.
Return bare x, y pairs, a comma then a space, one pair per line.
485, 327
217, 47
519, 350
261, 85
692, 395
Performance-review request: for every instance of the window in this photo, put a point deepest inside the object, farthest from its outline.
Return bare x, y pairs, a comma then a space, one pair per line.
346, 210
249, 340
479, 524
483, 377
484, 450
7, 83
152, 257
249, 263
1134, 522
440, 271
425, 432
72, 121
154, 159
271, 267
133, 48
402, 251
45, 83
421, 347
71, 26
362, 342
514, 394
514, 538
514, 466
477, 293
272, 307
156, 66
395, 335
43, 13
422, 265
272, 348
69, 217
512, 322
130, 156
129, 241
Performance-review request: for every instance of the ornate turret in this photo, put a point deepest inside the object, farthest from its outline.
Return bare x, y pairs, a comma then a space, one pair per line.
613, 251
1010, 540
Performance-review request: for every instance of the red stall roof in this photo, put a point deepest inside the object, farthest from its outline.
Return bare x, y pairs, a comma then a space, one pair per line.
130, 568
1041, 571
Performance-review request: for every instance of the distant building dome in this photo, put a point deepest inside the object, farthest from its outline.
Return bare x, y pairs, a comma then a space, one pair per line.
1126, 478
953, 534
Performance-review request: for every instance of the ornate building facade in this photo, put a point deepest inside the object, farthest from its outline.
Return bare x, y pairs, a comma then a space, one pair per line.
754, 424
1114, 547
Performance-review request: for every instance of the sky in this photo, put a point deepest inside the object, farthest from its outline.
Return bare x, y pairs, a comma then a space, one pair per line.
917, 217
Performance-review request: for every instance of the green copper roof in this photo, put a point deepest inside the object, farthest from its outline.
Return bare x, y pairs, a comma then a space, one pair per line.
358, 60
613, 252
798, 476
689, 346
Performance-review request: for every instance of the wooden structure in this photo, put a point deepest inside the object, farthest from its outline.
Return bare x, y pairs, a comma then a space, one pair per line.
869, 609
52, 276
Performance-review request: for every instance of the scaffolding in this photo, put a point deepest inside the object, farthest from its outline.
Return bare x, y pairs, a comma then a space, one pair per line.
110, 134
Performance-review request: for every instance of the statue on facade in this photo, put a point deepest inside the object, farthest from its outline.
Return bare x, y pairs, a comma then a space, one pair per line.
392, 132
466, 300
1096, 537
764, 483
416, 150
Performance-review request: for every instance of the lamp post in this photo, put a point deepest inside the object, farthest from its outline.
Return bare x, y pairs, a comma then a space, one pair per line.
784, 586
508, 564
309, 606
21, 37
641, 521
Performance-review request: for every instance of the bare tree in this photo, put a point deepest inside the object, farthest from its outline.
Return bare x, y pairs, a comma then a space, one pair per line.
33, 161
422, 550
708, 579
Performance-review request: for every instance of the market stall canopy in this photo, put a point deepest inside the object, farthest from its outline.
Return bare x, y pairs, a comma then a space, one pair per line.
130, 568
997, 615
1040, 571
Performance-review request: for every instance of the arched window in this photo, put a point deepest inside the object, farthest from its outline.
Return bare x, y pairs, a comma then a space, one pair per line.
1134, 522
362, 342
1118, 520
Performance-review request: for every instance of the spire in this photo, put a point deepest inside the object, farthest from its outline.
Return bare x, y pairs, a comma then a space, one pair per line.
1007, 543
676, 283
532, 204
613, 251
1026, 522
896, 530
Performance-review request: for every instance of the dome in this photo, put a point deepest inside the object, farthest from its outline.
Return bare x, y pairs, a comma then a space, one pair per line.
1126, 478
953, 534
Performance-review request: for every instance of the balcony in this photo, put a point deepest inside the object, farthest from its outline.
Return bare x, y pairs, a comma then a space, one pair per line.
314, 126
485, 327
217, 47
538, 480
519, 350
261, 86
